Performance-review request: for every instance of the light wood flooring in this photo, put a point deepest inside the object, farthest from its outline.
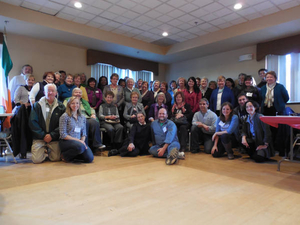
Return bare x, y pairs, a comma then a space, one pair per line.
143, 190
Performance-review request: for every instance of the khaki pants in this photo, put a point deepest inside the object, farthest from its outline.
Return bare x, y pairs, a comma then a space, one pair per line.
40, 150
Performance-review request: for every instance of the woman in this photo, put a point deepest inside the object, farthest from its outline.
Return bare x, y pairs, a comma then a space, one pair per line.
138, 141
77, 83
72, 129
92, 124
94, 94
251, 92
82, 80
181, 84
205, 90
22, 92
110, 120
160, 103
230, 83
172, 89
122, 83
37, 91
182, 117
163, 89
212, 85
147, 97
256, 135
130, 89
116, 89
193, 95
57, 79
65, 90
274, 96
226, 125
102, 83
220, 95
132, 108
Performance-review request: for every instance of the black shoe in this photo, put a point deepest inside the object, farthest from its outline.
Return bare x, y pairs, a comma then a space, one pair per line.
194, 151
113, 152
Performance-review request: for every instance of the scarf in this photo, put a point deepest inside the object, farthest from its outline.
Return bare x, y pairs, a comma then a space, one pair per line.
270, 95
203, 90
179, 107
144, 93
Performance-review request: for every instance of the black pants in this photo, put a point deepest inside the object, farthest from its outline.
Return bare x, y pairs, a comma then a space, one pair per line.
224, 140
257, 156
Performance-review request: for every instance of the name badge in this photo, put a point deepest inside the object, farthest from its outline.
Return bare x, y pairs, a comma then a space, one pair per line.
47, 109
221, 124
248, 94
77, 129
164, 129
97, 91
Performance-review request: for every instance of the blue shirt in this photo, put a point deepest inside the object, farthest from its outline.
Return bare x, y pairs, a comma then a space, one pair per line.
251, 126
68, 125
230, 126
164, 133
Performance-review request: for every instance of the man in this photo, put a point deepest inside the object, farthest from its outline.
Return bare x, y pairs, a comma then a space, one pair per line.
240, 86
262, 74
44, 124
19, 80
242, 114
165, 138
203, 127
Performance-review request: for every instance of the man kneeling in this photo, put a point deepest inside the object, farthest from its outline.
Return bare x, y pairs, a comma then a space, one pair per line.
165, 138
44, 124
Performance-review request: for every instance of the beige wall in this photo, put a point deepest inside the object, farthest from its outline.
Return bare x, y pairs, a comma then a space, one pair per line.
45, 56
49, 56
212, 66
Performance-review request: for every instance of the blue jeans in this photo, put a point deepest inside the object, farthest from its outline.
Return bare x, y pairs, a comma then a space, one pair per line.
71, 150
154, 148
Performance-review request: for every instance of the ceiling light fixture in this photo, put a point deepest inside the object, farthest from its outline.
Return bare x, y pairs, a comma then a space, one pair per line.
237, 6
78, 5
165, 34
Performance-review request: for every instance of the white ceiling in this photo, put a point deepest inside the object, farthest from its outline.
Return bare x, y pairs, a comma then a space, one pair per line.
146, 19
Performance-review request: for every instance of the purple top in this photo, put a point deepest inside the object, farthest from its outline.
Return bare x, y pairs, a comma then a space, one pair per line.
94, 96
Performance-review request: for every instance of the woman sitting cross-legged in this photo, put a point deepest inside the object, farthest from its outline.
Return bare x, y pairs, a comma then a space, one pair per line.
138, 141
132, 108
256, 135
110, 120
72, 129
226, 125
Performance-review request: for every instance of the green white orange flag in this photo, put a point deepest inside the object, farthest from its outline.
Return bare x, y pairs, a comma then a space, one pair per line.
4, 91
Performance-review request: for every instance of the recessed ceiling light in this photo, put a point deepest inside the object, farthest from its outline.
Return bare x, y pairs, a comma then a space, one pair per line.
78, 5
237, 6
165, 34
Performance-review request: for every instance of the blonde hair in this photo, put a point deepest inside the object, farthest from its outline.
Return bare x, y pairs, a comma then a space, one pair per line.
68, 108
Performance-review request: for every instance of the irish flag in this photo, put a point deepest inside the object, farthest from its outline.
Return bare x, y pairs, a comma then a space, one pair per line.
4, 91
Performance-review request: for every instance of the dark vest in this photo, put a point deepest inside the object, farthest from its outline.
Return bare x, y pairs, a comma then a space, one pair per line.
40, 94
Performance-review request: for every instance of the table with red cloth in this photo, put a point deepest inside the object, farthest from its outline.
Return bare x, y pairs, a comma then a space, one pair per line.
292, 121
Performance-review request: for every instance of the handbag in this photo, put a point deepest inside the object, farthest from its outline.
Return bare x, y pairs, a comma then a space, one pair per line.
180, 121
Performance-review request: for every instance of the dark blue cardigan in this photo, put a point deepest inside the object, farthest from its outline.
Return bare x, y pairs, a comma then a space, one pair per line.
281, 97
227, 96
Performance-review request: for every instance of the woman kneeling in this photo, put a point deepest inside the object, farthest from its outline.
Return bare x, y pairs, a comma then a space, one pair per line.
256, 135
72, 129
226, 125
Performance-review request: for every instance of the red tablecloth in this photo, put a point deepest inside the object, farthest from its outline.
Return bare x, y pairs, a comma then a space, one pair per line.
293, 121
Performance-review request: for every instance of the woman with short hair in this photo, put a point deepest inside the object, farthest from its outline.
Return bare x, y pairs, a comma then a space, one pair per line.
132, 108
65, 90
154, 108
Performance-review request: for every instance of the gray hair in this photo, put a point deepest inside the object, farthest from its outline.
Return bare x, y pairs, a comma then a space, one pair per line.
50, 85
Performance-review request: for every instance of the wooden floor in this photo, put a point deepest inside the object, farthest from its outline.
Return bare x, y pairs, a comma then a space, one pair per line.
143, 190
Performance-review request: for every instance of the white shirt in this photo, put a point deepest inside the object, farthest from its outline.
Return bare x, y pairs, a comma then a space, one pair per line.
15, 82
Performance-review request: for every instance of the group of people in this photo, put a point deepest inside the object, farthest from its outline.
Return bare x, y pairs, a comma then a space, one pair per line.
67, 112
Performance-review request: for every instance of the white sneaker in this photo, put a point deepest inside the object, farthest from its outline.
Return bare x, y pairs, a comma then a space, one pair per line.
181, 155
